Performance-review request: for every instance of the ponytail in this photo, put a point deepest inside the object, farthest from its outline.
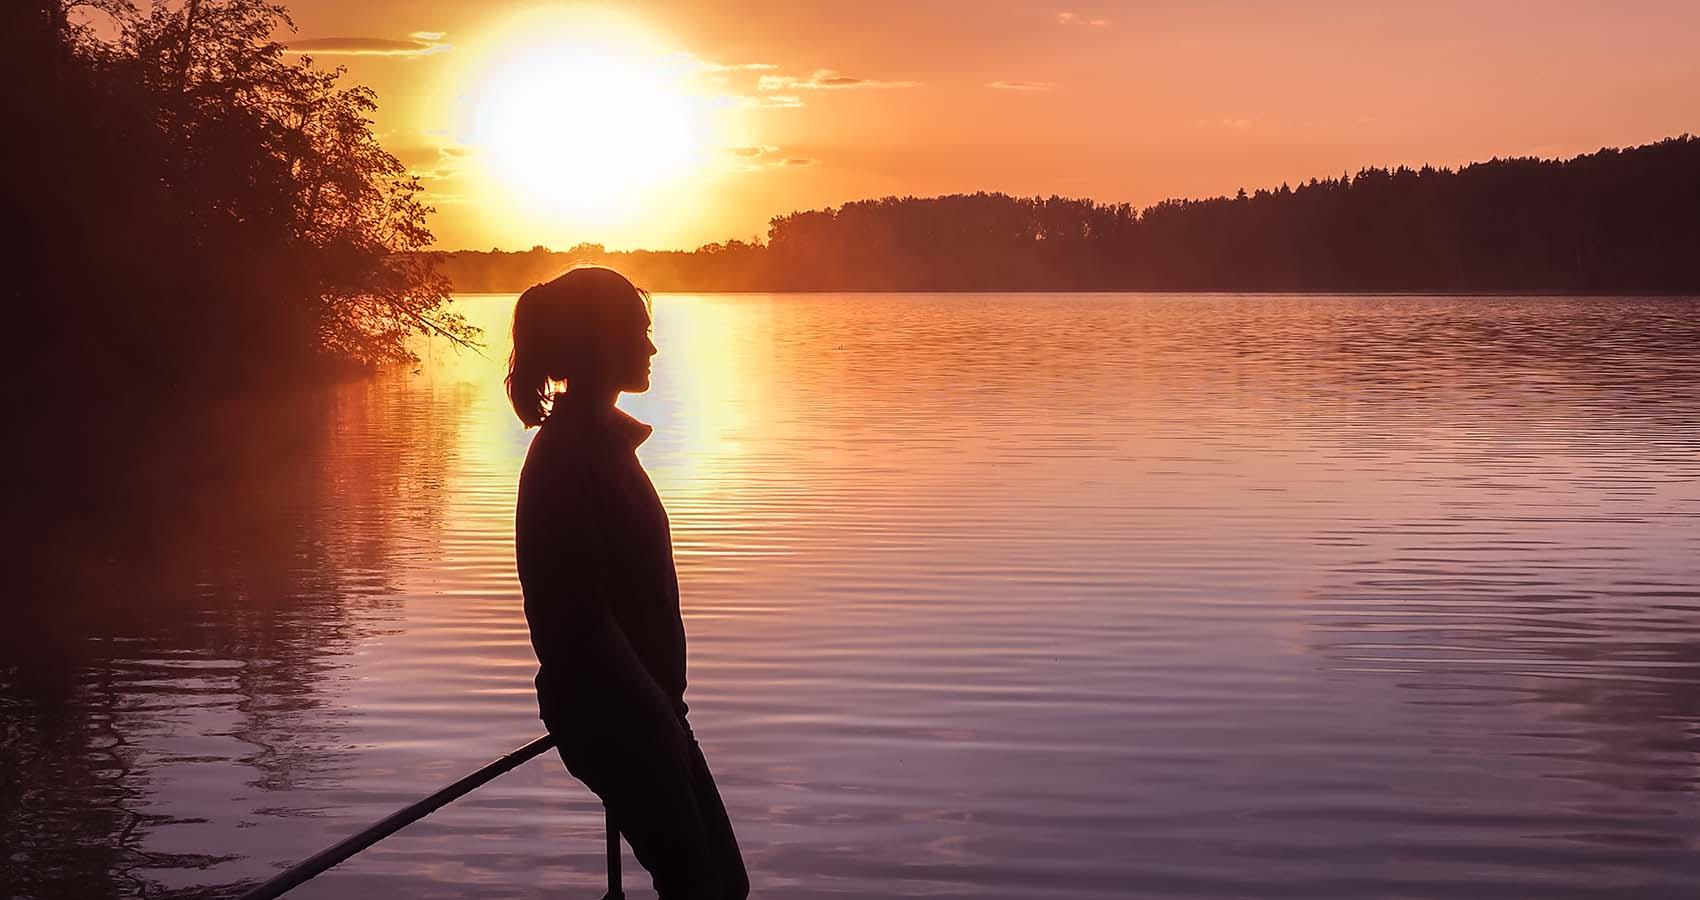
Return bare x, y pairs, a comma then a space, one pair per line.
528, 388
557, 327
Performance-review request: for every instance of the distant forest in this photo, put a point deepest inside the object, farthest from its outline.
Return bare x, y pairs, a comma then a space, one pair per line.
1611, 221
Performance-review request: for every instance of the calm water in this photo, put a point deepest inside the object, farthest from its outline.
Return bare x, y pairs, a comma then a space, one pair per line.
989, 596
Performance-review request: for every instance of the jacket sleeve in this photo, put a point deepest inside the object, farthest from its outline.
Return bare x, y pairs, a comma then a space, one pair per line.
569, 584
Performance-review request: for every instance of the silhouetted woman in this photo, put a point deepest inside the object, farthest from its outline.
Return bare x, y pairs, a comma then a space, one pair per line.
601, 597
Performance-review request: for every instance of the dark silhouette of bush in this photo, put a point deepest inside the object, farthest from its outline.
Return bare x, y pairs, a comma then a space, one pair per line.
194, 211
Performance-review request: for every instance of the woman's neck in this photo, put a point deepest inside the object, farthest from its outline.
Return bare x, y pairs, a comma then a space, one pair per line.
593, 399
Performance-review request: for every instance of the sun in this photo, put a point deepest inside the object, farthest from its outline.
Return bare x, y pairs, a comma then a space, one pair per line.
588, 129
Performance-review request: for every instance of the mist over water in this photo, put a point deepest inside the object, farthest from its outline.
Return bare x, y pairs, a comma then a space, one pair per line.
988, 595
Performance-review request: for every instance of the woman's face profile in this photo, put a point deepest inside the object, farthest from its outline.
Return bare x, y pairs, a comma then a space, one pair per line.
629, 353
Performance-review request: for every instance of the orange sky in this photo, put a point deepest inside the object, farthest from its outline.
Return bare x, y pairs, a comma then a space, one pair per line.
802, 105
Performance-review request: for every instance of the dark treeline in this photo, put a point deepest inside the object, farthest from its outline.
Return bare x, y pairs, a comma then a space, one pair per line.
194, 214
1615, 220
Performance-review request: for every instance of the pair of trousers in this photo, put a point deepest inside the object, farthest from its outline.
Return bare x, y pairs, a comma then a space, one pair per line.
663, 800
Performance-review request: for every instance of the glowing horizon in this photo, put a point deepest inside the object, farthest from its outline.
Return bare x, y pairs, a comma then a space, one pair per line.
706, 120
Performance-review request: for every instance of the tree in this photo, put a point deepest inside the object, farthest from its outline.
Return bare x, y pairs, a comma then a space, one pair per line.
206, 208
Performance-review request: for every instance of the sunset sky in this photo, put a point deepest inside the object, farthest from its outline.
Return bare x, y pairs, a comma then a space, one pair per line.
672, 124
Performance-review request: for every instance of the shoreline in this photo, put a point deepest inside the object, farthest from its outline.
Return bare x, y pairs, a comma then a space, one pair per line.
1294, 292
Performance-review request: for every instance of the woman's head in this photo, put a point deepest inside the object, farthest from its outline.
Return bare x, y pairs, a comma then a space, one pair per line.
588, 328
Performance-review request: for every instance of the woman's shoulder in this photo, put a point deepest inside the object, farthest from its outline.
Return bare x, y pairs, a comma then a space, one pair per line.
558, 497
557, 460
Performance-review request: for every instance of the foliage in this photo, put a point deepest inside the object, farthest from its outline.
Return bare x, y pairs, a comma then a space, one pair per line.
203, 210
1615, 220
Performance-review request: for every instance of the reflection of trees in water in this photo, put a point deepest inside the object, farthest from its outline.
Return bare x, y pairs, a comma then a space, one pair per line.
1556, 694
1526, 577
1538, 557
1611, 669
157, 626
1431, 358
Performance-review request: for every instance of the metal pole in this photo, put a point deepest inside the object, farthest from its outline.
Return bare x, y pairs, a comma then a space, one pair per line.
615, 891
343, 849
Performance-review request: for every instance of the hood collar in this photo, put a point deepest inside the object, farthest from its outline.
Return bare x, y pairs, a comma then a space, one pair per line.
612, 421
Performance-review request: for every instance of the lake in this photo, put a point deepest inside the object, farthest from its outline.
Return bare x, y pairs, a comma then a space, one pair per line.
988, 596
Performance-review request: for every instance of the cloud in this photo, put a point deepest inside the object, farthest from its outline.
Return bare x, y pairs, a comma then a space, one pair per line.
1069, 18
756, 157
1023, 86
718, 72
825, 80
772, 90
707, 66
1232, 123
419, 43
429, 163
